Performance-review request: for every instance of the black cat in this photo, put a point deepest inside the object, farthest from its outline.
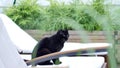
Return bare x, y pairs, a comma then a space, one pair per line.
50, 45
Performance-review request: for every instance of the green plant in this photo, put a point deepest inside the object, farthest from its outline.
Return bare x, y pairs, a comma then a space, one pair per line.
98, 5
83, 18
57, 12
30, 15
26, 14
86, 21
114, 16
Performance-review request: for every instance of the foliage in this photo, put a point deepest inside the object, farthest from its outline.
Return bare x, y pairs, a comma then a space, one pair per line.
114, 16
57, 12
29, 15
26, 14
99, 6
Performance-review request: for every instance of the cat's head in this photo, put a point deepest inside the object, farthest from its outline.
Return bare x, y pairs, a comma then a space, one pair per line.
63, 34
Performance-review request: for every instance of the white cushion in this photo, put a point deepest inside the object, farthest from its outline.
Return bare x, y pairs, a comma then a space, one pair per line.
18, 37
9, 56
83, 62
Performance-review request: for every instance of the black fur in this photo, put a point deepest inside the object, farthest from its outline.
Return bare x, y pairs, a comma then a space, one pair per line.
52, 44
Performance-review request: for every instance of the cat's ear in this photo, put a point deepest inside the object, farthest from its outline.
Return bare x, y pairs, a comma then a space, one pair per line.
59, 31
